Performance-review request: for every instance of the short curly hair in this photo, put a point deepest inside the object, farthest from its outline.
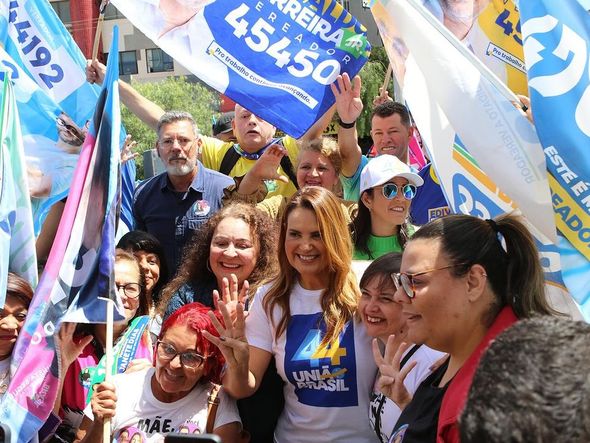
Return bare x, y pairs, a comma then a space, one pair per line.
194, 266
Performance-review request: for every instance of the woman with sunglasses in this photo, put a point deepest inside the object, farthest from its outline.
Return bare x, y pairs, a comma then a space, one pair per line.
173, 394
381, 224
463, 281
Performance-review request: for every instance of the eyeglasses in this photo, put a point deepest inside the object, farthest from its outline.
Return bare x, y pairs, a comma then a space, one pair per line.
131, 290
390, 190
188, 359
182, 142
406, 281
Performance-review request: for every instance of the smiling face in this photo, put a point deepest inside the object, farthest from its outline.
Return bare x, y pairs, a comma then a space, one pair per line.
380, 313
172, 379
177, 148
436, 314
305, 249
233, 250
387, 215
315, 169
391, 136
251, 132
12, 318
126, 272
150, 268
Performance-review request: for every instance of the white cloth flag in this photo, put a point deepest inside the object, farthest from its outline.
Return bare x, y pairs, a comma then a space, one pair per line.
498, 136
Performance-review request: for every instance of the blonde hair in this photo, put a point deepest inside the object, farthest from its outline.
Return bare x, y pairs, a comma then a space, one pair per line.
326, 146
340, 298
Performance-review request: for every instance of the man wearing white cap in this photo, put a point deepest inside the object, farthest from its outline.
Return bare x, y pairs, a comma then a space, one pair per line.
387, 186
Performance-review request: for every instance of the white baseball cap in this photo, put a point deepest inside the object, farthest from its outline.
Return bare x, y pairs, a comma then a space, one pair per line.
383, 168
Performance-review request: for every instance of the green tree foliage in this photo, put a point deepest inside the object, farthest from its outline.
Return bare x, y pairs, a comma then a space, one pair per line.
173, 93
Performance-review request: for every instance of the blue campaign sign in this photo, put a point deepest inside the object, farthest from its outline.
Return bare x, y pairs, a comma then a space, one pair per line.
276, 58
282, 56
556, 36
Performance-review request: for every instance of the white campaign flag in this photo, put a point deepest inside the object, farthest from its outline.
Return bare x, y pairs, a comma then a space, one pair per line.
473, 106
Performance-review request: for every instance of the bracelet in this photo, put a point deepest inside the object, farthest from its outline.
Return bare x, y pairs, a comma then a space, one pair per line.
346, 125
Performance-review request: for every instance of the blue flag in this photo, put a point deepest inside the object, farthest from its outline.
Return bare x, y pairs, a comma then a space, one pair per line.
556, 39
54, 100
79, 273
277, 59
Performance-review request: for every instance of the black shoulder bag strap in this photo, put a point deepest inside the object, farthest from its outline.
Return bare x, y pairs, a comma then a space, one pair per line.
229, 160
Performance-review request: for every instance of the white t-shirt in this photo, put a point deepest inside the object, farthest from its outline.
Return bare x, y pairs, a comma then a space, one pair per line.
383, 412
326, 391
140, 413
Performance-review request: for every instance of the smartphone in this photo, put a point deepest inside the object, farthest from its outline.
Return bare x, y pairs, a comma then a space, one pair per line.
175, 437
4, 433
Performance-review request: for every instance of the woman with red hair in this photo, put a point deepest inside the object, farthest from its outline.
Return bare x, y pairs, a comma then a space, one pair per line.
175, 393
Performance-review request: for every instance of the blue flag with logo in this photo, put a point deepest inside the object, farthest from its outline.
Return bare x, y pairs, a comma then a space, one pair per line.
54, 100
556, 39
277, 59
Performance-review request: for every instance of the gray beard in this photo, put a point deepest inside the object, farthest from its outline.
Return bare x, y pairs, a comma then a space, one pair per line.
181, 170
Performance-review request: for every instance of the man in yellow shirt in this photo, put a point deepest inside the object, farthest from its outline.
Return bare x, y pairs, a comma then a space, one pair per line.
253, 136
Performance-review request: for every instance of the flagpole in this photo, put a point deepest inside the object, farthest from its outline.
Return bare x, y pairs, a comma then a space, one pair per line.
98, 32
106, 433
387, 78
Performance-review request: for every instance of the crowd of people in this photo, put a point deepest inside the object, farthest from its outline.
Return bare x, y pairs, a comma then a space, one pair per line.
282, 290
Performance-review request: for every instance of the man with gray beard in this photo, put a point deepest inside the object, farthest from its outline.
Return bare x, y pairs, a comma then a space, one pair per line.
175, 203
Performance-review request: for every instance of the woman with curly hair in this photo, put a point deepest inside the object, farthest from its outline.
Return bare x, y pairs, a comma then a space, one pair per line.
237, 243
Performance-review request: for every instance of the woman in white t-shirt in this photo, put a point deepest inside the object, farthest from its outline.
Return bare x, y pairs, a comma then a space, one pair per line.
305, 320
172, 396
383, 317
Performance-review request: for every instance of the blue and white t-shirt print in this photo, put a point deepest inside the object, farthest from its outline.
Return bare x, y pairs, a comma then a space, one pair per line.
322, 375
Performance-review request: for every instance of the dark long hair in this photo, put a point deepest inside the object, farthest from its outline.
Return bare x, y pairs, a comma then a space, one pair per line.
515, 274
135, 241
361, 228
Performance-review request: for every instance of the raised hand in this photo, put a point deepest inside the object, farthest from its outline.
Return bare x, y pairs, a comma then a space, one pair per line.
70, 347
95, 72
232, 336
267, 165
231, 295
103, 401
391, 376
348, 97
382, 97
127, 151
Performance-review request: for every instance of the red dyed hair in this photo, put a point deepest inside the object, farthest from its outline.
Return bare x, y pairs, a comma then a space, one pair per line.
194, 316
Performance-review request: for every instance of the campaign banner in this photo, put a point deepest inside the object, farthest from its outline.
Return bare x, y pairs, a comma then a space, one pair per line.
501, 139
55, 101
79, 274
491, 30
468, 185
557, 56
275, 58
17, 239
